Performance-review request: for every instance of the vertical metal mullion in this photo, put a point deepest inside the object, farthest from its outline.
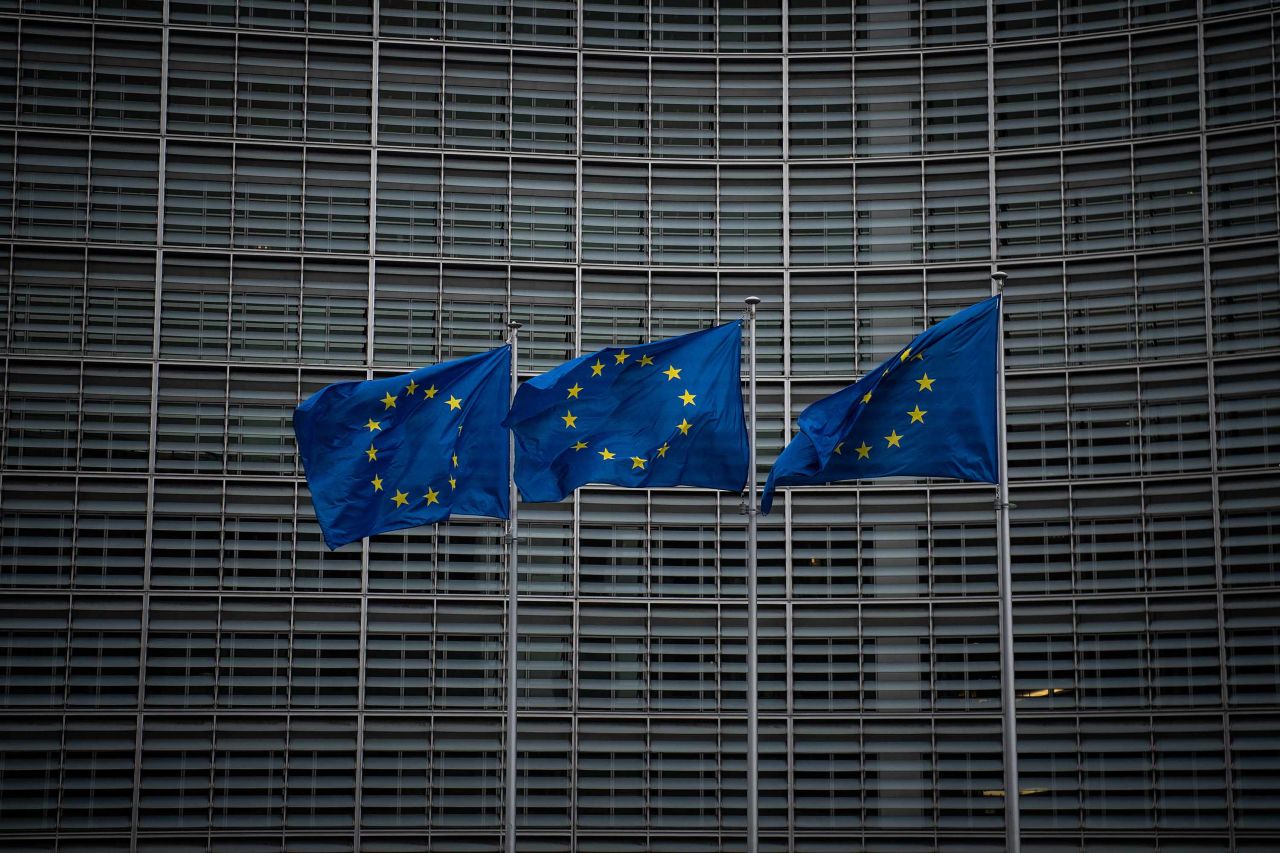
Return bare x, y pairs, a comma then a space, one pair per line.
235, 82
511, 130
374, 117
288, 739
431, 741
1066, 392
80, 367
148, 544
361, 688
93, 81
370, 330
993, 219
933, 726
577, 199
444, 171
574, 733
1206, 273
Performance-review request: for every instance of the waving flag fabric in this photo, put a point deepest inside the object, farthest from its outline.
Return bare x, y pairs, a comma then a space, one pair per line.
666, 413
386, 454
929, 411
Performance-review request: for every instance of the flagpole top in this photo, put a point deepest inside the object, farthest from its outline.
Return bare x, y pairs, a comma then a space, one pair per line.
999, 277
752, 301
514, 324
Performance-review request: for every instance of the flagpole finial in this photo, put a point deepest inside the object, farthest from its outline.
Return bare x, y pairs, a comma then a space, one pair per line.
514, 324
999, 277
752, 300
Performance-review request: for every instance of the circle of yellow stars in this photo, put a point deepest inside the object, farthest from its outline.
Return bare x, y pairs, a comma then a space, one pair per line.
402, 498
620, 358
894, 438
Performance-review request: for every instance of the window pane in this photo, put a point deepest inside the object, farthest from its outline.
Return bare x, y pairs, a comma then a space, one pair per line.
476, 106
336, 206
126, 79
268, 198
542, 211
544, 105
56, 80
408, 204
821, 107
269, 87
51, 187
955, 106
201, 83
750, 107
684, 108
339, 93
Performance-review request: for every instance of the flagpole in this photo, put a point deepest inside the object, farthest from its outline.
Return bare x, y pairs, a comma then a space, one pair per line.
513, 577
1007, 695
753, 680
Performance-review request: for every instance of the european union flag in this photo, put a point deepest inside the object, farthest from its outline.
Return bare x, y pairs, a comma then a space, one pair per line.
666, 413
408, 450
929, 411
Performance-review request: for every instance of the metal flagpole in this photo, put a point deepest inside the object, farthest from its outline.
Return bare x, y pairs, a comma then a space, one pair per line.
513, 576
1007, 696
753, 680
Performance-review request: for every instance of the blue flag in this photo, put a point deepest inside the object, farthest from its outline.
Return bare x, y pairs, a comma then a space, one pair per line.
929, 411
667, 413
386, 454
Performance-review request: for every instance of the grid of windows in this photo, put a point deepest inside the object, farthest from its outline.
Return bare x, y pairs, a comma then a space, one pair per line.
208, 211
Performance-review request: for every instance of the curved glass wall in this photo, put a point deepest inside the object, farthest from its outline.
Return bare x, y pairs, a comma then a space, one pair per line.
213, 210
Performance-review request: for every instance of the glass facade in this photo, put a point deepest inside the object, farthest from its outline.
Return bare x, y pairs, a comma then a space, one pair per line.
211, 210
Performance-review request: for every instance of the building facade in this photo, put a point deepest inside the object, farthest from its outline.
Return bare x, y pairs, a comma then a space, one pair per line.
215, 210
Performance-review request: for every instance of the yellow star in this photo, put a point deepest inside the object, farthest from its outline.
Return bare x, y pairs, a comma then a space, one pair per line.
372, 453
389, 401
866, 398
581, 445
893, 438
637, 462
372, 425
662, 451
454, 402
840, 449
453, 484
377, 483
621, 357
918, 357
432, 496
401, 498
455, 460
570, 420
575, 390
864, 450
411, 387
906, 354
645, 361
430, 393
917, 416
597, 369
925, 383
606, 455
672, 372
683, 426
688, 398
